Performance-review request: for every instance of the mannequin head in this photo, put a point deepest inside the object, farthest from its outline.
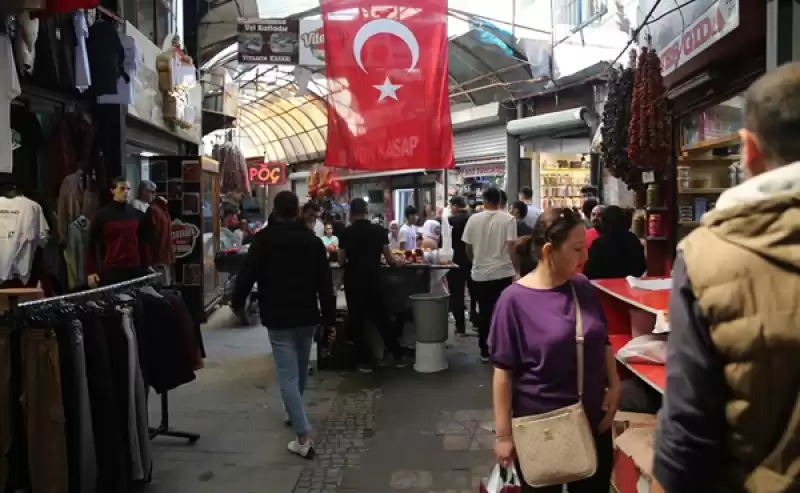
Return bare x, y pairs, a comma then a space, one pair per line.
120, 189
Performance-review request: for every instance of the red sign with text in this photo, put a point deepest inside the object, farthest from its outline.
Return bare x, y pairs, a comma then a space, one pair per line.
262, 173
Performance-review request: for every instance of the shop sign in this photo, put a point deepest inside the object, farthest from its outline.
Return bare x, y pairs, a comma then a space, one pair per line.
184, 237
475, 170
281, 42
262, 173
705, 21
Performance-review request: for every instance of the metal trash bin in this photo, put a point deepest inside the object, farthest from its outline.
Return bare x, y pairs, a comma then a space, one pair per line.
431, 316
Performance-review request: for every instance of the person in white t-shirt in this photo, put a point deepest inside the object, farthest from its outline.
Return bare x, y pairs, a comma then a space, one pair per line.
409, 231
490, 237
526, 195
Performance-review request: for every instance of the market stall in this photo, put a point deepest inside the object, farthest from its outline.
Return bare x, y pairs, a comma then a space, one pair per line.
630, 313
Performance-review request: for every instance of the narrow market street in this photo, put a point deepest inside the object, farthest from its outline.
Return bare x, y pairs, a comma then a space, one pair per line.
379, 433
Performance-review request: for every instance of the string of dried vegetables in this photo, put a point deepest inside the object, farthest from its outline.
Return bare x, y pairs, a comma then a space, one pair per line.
649, 128
616, 120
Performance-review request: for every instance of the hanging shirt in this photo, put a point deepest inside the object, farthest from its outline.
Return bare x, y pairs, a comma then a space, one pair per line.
9, 89
23, 229
83, 79
119, 234
106, 57
124, 94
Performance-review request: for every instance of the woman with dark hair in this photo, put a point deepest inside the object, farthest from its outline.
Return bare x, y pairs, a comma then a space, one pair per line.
616, 252
535, 353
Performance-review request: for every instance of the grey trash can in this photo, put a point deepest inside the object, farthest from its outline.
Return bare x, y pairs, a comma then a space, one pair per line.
431, 316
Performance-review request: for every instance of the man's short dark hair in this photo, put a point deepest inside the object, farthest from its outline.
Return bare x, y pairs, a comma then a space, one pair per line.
588, 205
458, 201
492, 196
772, 113
410, 211
522, 207
503, 197
527, 193
589, 190
311, 206
286, 205
117, 180
358, 207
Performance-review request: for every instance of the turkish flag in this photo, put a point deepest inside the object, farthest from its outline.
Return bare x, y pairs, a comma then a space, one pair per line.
388, 106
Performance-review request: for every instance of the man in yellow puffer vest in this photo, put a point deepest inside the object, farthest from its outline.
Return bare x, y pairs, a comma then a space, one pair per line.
731, 416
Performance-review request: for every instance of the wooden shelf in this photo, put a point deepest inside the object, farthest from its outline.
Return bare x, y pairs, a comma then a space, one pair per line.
725, 141
701, 191
565, 170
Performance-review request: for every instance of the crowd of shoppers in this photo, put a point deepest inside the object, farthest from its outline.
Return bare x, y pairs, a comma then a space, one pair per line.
730, 420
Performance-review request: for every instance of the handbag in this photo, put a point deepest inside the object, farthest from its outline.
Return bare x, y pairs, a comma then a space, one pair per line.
557, 447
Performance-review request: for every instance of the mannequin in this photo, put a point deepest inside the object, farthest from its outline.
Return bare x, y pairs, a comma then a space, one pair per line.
119, 235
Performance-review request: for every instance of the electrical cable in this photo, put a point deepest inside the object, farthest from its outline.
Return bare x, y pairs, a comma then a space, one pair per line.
635, 34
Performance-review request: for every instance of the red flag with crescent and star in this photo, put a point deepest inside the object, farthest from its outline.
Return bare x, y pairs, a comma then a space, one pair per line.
388, 106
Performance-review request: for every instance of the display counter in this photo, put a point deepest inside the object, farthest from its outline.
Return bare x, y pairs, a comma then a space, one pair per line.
632, 312
400, 281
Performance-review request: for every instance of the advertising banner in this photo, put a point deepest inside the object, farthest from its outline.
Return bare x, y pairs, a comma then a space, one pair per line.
281, 42
685, 33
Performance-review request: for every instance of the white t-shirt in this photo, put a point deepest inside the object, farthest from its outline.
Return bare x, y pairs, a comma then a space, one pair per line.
9, 90
408, 235
489, 233
23, 229
532, 216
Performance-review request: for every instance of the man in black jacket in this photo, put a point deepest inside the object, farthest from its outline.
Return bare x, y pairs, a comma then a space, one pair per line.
295, 290
459, 279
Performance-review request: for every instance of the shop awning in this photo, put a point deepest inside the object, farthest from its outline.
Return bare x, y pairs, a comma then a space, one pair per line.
558, 124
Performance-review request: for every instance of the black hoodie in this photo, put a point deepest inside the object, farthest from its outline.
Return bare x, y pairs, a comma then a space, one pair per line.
295, 284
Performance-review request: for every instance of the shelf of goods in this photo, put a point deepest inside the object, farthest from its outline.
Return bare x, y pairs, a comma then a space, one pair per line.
561, 186
632, 312
708, 162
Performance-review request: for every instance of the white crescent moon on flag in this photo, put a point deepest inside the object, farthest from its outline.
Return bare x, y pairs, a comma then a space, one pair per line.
387, 26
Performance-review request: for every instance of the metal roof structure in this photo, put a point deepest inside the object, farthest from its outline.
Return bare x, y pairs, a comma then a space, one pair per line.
491, 59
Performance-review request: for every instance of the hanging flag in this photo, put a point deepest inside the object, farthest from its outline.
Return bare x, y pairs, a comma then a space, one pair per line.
388, 106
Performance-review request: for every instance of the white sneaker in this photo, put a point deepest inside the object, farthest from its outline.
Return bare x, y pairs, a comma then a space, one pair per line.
304, 450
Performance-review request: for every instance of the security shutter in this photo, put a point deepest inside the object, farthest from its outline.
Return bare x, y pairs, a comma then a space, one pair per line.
489, 142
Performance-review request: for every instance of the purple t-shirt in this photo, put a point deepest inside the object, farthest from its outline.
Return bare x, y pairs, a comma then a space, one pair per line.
533, 335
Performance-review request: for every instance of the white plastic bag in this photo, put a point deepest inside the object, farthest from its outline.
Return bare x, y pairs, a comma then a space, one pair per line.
496, 483
646, 349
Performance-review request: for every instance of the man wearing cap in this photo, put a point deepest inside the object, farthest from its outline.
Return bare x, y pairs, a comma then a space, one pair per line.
144, 196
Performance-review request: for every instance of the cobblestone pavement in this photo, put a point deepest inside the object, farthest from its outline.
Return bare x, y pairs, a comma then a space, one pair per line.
390, 431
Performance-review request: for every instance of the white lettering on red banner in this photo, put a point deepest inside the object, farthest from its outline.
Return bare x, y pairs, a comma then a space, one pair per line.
720, 19
401, 147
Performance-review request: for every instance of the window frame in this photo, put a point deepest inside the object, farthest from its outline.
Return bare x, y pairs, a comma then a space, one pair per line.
171, 7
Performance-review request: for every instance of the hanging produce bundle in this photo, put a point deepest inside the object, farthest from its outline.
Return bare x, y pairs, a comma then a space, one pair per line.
323, 184
616, 119
649, 130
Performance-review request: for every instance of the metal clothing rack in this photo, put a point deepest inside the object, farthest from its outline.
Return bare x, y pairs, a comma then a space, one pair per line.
163, 428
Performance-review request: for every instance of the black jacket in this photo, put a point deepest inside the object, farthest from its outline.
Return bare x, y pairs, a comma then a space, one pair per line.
295, 284
458, 222
614, 256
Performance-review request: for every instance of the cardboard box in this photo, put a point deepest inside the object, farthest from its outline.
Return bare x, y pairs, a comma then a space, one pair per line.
634, 455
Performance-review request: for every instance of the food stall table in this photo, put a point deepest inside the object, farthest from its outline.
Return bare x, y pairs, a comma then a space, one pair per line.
631, 312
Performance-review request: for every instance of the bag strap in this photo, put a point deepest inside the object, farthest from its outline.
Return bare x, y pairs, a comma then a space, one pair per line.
578, 339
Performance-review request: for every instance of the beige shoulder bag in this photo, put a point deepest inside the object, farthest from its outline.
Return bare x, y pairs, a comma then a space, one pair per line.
557, 447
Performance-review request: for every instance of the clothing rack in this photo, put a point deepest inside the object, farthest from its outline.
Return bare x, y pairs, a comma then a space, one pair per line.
163, 428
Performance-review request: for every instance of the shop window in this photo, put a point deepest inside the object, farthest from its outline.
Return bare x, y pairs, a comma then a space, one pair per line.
573, 13
156, 19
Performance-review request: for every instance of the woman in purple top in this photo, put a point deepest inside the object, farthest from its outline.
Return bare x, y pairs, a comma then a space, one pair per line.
532, 345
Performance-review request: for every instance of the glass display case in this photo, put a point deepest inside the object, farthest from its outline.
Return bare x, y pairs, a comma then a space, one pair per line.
561, 177
212, 282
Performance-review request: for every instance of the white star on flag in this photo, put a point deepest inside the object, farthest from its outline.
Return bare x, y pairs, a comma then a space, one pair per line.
388, 90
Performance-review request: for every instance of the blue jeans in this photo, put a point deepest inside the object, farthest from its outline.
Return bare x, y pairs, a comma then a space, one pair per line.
291, 349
